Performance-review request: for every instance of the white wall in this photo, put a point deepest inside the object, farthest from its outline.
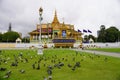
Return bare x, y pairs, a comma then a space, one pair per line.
117, 44
27, 45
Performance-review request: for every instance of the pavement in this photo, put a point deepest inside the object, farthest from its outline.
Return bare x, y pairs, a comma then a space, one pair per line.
113, 54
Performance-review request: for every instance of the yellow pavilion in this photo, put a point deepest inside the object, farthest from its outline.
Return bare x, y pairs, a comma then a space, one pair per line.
55, 30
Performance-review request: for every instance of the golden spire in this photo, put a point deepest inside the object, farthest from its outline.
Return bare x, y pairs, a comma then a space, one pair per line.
63, 21
55, 20
55, 13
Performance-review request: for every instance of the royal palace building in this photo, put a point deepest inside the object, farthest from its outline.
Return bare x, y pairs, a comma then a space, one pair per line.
55, 30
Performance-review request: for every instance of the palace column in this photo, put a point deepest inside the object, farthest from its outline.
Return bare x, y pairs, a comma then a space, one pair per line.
31, 37
36, 37
53, 35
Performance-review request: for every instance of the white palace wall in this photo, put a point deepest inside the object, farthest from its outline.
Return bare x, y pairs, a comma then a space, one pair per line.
27, 45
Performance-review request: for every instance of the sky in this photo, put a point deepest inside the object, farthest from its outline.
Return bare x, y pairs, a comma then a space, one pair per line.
83, 14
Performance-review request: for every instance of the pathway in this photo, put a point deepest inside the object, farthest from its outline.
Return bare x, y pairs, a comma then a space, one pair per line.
100, 52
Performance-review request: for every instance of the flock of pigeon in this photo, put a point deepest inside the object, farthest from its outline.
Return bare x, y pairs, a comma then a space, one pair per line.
55, 62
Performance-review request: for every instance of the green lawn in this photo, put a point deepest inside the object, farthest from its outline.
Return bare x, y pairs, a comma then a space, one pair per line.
92, 67
116, 50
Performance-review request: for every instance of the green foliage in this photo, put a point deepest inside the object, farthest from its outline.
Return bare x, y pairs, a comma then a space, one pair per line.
112, 34
0, 37
102, 27
108, 35
10, 36
93, 37
102, 33
119, 36
93, 67
86, 39
26, 40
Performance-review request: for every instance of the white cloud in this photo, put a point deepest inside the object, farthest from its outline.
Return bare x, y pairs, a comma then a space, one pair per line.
84, 14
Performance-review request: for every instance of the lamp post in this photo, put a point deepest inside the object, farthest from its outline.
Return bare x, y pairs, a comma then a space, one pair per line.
40, 46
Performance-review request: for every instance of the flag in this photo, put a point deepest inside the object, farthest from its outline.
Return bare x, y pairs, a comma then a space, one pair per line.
84, 30
79, 30
89, 31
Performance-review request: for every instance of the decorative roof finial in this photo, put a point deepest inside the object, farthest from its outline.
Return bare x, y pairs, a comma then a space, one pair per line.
55, 13
63, 19
55, 20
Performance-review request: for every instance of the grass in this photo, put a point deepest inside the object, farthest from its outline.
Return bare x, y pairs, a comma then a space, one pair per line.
93, 67
116, 50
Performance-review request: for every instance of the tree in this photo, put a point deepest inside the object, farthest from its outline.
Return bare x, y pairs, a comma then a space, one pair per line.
0, 37
93, 37
102, 32
10, 36
26, 39
112, 34
119, 36
102, 27
86, 40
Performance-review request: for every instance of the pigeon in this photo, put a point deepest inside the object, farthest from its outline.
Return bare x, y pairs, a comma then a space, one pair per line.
49, 71
3, 69
38, 66
33, 65
45, 78
22, 71
8, 73
105, 59
50, 67
73, 68
77, 64
61, 64
14, 64
50, 77
69, 66
6, 76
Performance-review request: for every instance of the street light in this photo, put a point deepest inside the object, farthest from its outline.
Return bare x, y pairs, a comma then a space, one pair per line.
40, 51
